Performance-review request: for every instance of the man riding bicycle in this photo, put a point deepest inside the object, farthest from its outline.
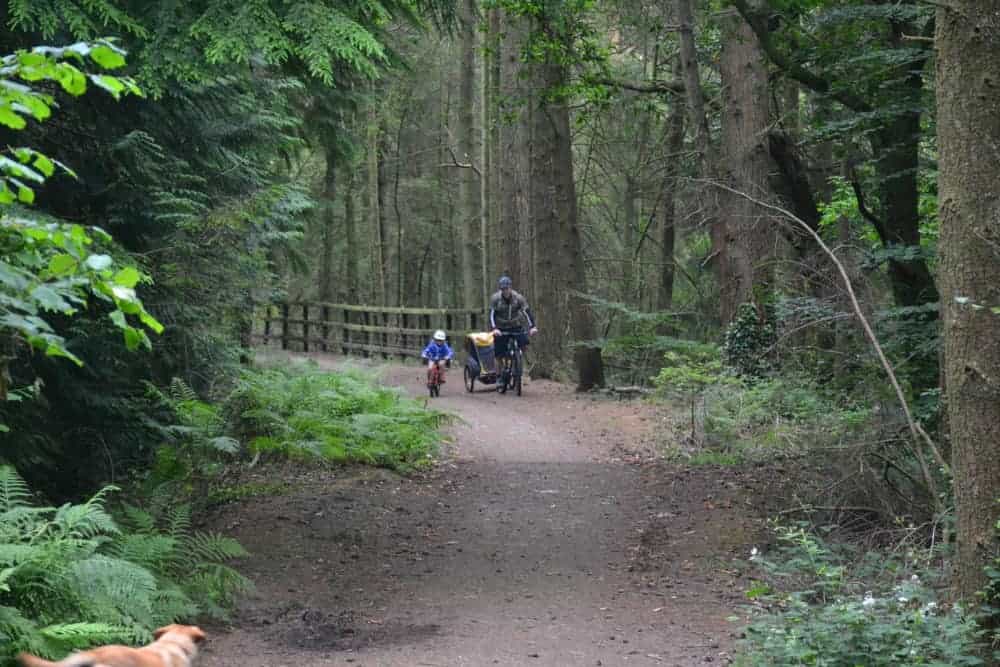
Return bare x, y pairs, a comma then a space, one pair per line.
509, 313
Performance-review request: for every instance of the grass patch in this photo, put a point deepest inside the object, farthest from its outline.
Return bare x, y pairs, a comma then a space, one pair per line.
300, 412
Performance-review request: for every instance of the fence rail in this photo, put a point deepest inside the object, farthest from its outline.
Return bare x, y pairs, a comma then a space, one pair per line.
359, 329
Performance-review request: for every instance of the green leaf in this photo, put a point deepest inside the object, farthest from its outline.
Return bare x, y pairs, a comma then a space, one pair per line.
150, 322
71, 79
25, 194
62, 264
98, 262
44, 164
118, 317
135, 338
107, 57
108, 83
11, 119
49, 299
128, 277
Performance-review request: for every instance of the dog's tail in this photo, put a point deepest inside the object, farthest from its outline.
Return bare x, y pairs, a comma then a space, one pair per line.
28, 660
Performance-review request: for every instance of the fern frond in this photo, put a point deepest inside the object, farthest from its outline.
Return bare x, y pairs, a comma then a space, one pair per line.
85, 635
137, 519
178, 519
115, 590
87, 520
154, 552
211, 548
14, 491
171, 605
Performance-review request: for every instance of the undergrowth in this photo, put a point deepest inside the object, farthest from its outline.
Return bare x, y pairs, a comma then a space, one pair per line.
344, 417
75, 576
818, 604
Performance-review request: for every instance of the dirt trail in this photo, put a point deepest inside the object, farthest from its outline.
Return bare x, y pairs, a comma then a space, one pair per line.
548, 535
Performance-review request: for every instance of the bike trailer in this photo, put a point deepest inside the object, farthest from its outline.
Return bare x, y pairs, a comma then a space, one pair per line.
481, 360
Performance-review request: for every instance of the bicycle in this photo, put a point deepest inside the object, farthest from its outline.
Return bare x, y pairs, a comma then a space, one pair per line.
512, 365
435, 378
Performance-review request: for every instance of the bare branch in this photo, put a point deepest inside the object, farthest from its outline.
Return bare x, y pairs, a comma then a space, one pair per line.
461, 165
673, 87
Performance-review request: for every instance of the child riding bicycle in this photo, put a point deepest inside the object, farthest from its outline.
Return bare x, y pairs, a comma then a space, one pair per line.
437, 354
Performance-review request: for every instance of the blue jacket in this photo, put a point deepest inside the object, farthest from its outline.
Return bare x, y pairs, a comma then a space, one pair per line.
436, 352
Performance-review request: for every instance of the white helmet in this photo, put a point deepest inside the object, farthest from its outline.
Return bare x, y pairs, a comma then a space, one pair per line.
440, 335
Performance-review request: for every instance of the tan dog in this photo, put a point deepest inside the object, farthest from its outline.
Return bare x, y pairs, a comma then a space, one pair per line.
175, 646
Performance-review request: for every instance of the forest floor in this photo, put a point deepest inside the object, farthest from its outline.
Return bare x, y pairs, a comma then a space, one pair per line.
550, 532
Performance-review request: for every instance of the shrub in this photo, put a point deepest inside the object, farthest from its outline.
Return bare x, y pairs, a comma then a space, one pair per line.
749, 341
842, 613
341, 417
72, 576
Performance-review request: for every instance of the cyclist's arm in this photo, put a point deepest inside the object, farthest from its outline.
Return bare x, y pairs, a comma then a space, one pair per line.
528, 315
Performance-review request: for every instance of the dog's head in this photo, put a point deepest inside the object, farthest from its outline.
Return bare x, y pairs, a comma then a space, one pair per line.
191, 632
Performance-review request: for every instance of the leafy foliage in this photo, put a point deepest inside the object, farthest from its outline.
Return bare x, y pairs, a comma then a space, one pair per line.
72, 577
339, 417
48, 266
749, 340
842, 611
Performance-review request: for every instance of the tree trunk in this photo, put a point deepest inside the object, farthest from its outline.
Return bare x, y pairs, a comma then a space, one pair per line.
329, 198
559, 263
515, 145
708, 162
468, 142
968, 126
671, 185
352, 281
748, 241
375, 215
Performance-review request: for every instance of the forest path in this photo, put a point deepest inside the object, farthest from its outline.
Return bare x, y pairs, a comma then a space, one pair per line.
549, 534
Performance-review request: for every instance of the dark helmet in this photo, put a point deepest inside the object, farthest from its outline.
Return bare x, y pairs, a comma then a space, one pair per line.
504, 282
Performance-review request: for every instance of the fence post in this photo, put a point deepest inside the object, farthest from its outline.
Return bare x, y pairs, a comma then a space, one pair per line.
404, 335
345, 335
305, 327
473, 320
385, 334
368, 334
284, 326
267, 324
325, 314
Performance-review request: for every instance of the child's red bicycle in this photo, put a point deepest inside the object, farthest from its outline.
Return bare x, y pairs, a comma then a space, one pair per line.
435, 378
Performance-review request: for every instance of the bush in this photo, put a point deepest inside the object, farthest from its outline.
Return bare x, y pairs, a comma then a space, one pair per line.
777, 416
340, 417
72, 576
842, 613
749, 341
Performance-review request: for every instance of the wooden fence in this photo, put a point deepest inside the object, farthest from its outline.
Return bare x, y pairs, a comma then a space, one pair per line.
355, 329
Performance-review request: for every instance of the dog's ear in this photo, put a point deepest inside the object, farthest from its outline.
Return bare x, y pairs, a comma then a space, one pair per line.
159, 632
195, 633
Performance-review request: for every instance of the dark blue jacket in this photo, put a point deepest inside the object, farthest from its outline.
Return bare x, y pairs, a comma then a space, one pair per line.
436, 352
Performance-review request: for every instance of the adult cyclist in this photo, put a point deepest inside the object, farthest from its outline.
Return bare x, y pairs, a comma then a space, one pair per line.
510, 316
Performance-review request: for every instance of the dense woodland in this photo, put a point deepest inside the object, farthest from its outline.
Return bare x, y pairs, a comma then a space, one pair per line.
780, 214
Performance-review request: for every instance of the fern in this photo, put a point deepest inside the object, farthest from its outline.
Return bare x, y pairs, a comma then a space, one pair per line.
14, 492
73, 577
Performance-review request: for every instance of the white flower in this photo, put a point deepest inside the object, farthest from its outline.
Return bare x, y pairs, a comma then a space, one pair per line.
753, 554
869, 601
915, 579
902, 600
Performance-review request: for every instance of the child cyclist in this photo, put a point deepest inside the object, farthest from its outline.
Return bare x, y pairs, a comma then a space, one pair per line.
437, 353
